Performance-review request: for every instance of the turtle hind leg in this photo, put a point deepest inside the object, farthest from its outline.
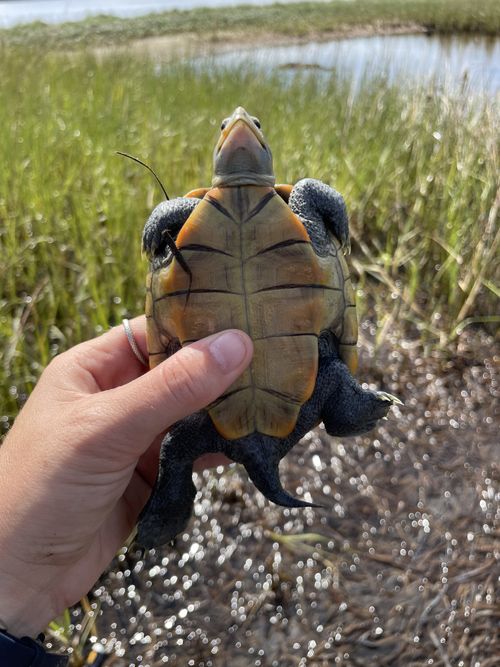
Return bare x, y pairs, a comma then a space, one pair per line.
349, 409
263, 471
170, 506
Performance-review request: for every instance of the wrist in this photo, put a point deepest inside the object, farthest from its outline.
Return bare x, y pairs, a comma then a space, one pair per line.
25, 587
25, 611
24, 615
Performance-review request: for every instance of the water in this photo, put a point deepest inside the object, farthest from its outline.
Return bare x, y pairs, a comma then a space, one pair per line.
58, 11
442, 59
450, 61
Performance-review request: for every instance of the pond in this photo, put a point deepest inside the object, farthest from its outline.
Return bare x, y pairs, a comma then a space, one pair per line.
446, 60
451, 61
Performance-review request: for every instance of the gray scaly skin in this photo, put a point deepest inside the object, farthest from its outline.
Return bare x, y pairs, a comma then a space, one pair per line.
338, 400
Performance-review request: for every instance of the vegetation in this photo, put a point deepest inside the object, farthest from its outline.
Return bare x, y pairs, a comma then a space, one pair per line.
419, 172
304, 19
62, 632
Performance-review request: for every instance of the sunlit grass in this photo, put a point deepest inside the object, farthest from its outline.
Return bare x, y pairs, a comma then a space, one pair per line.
419, 171
75, 640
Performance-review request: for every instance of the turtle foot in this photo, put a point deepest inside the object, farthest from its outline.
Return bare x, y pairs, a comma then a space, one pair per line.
169, 509
357, 415
349, 409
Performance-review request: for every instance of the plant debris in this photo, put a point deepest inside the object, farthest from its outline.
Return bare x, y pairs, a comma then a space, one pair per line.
399, 567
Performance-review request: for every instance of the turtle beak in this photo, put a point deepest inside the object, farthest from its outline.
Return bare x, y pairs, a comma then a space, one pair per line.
240, 132
242, 156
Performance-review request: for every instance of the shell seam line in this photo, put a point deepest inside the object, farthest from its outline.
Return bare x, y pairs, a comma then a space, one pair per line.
247, 316
280, 394
288, 335
198, 247
222, 209
297, 286
278, 246
195, 291
260, 206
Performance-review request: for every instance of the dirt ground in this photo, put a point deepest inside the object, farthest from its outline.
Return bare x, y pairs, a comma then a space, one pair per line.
399, 567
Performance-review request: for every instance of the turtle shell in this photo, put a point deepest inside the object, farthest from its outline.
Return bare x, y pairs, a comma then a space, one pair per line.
254, 268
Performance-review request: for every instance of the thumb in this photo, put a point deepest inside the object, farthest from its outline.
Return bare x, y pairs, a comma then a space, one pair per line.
186, 382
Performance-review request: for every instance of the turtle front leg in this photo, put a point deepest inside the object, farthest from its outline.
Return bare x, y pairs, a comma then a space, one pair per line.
170, 506
348, 409
319, 206
160, 231
169, 216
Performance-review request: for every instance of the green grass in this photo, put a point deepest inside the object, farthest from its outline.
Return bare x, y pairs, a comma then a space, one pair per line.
419, 173
304, 19
63, 633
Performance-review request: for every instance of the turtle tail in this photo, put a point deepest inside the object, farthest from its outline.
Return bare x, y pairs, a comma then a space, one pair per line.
265, 475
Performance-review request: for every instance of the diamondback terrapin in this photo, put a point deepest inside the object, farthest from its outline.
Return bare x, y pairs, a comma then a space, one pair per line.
268, 260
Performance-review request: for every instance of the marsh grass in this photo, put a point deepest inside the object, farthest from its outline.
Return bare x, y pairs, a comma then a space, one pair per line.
302, 19
418, 169
62, 632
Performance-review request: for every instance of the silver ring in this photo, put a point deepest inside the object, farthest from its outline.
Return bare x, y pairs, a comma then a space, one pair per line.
130, 337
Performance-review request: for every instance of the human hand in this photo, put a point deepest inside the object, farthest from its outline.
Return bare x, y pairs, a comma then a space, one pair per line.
80, 460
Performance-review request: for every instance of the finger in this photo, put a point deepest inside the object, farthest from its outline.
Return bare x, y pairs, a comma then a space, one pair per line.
119, 524
147, 466
104, 362
110, 358
186, 382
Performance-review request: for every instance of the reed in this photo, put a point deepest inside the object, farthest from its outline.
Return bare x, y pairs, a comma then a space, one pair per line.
418, 169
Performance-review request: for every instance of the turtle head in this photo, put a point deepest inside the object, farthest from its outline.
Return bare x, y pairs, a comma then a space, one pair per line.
242, 156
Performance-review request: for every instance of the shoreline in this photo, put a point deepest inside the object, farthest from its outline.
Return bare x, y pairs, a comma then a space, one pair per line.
299, 22
189, 44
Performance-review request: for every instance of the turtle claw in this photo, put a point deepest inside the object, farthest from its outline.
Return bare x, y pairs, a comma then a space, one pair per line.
284, 499
346, 246
385, 396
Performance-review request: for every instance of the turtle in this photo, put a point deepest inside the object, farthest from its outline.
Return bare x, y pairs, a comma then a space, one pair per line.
270, 260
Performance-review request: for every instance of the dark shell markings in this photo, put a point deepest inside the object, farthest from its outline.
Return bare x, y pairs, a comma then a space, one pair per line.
269, 260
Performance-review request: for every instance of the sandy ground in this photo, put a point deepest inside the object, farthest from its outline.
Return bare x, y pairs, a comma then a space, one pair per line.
400, 567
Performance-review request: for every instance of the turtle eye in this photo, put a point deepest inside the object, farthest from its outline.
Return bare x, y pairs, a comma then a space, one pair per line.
256, 121
224, 123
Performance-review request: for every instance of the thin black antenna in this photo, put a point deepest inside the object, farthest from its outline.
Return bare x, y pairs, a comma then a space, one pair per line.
168, 238
136, 159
